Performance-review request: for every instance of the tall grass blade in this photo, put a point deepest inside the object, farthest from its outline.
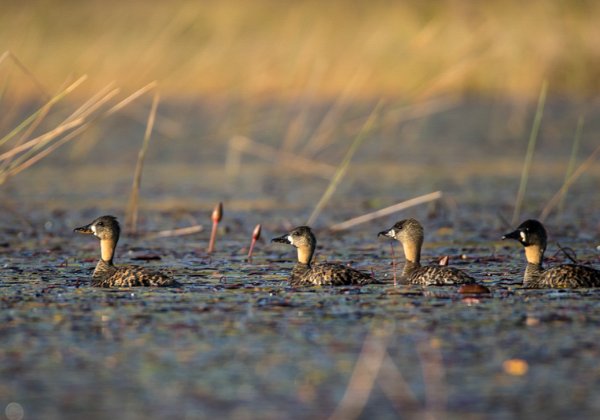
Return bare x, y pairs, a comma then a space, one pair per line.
341, 170
386, 211
15, 169
25, 123
572, 161
133, 207
576, 174
529, 155
30, 157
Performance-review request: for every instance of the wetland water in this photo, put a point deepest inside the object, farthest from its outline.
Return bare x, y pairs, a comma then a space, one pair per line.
235, 341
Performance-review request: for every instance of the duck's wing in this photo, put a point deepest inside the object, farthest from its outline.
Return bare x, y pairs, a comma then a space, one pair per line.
569, 276
330, 274
135, 276
434, 275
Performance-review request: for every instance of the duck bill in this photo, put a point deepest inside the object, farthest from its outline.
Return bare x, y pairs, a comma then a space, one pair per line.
387, 233
284, 239
516, 235
86, 230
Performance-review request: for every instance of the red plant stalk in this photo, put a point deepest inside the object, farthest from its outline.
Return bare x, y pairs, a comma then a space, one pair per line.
255, 237
394, 264
217, 215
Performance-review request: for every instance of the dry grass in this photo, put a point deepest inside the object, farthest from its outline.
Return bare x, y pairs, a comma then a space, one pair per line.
343, 167
386, 211
20, 152
285, 49
134, 198
581, 169
535, 128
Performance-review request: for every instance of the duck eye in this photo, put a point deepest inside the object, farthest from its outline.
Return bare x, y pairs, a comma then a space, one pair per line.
294, 233
100, 224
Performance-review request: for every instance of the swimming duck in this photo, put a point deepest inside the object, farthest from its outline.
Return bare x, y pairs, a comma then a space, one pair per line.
410, 234
305, 273
532, 235
107, 229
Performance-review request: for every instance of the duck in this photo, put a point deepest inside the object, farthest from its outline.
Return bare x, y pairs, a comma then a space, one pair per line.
532, 235
305, 273
106, 274
409, 233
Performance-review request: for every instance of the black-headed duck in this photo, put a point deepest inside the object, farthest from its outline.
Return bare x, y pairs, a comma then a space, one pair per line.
532, 235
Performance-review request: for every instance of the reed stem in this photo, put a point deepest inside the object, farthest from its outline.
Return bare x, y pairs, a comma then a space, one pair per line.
134, 198
576, 174
572, 161
386, 211
341, 170
393, 263
255, 237
217, 215
530, 151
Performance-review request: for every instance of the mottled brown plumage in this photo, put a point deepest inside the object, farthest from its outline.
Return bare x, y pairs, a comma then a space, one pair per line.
532, 235
326, 274
107, 229
409, 233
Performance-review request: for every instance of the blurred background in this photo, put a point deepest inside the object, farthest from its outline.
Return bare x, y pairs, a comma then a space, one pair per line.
260, 101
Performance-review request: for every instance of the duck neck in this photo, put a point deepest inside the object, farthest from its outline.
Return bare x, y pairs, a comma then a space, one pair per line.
412, 254
107, 250
534, 254
305, 254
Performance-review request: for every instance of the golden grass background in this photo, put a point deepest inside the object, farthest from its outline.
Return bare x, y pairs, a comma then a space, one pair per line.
253, 91
281, 49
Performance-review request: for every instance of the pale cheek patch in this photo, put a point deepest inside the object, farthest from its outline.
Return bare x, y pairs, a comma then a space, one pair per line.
93, 228
289, 238
523, 236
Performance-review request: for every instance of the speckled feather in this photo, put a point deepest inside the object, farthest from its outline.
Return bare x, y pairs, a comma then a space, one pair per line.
108, 275
561, 276
433, 275
328, 274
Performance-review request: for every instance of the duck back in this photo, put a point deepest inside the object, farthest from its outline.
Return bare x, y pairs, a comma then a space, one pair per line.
433, 275
107, 275
328, 274
564, 276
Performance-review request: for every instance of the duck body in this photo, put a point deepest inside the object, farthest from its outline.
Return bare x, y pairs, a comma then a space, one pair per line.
106, 274
532, 235
563, 276
433, 275
409, 233
305, 273
327, 274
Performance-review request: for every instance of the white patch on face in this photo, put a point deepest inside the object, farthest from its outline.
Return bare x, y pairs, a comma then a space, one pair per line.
289, 238
523, 236
93, 228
